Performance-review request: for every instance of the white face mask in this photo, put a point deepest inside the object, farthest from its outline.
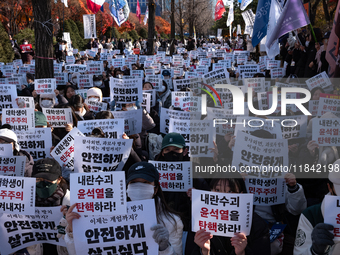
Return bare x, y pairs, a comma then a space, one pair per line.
307, 43
140, 191
131, 108
46, 103
97, 83
93, 99
163, 88
82, 113
25, 42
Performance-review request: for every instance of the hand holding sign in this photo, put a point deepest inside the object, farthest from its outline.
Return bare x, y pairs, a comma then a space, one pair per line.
239, 241
202, 239
321, 238
311, 146
70, 216
161, 236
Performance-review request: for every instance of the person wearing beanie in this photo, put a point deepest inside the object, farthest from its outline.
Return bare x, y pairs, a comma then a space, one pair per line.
143, 183
7, 136
95, 94
313, 236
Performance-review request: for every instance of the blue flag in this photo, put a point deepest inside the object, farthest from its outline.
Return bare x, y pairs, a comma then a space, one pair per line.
261, 21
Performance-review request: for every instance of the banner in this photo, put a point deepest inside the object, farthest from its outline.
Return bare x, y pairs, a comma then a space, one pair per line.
326, 131
89, 21
18, 195
274, 15
261, 21
222, 214
93, 154
230, 14
98, 193
249, 19
244, 4
41, 226
116, 234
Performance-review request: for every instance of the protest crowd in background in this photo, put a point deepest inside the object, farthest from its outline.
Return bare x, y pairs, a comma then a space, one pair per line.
125, 161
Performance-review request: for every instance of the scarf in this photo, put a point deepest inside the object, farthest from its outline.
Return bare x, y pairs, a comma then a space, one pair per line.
53, 200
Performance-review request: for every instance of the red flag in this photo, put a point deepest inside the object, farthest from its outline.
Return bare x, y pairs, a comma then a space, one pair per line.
138, 12
94, 5
219, 9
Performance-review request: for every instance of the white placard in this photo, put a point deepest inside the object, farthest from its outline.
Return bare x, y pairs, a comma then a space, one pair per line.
76, 68
331, 214
12, 165
329, 105
58, 117
132, 120
8, 94
222, 214
19, 119
89, 21
155, 80
326, 131
112, 128
96, 106
295, 126
98, 193
45, 86
126, 91
320, 80
85, 81
96, 68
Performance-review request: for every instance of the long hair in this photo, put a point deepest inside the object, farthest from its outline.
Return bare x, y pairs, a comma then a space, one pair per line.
236, 185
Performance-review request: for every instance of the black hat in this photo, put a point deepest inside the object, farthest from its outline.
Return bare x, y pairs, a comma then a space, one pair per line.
144, 170
47, 168
326, 35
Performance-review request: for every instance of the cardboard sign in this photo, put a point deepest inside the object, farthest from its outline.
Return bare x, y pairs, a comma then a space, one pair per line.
174, 176
117, 233
45, 86
58, 117
19, 231
100, 155
112, 128
326, 131
64, 151
222, 214
98, 193
17, 195
132, 120
19, 119
38, 144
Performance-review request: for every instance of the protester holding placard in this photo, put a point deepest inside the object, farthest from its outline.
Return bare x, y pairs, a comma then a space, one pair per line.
7, 136
69, 91
143, 183
80, 108
257, 242
313, 236
95, 94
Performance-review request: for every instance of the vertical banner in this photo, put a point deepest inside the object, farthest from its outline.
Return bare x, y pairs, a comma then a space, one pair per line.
89, 21
118, 233
222, 214
98, 193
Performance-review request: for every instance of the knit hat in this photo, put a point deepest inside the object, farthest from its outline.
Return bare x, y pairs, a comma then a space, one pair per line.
40, 119
334, 177
95, 92
9, 136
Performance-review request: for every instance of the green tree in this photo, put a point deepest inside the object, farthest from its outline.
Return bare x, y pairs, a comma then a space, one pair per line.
80, 26
80, 40
116, 33
6, 52
134, 35
27, 34
143, 33
164, 35
126, 35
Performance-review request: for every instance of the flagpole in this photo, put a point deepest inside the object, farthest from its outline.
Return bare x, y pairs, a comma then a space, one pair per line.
63, 18
311, 27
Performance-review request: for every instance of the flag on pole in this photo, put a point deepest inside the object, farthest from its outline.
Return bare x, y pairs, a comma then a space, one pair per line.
244, 4
230, 14
274, 15
138, 12
332, 52
94, 5
194, 34
146, 15
238, 31
219, 9
119, 11
261, 21
65, 2
293, 16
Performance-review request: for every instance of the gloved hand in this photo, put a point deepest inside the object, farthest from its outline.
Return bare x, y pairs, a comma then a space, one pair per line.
161, 236
321, 237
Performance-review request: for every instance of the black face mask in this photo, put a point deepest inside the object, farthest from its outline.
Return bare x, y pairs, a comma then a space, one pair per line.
173, 156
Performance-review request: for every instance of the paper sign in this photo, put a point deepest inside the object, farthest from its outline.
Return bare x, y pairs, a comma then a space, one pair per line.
294, 127
64, 151
96, 106
329, 105
8, 94
61, 78
221, 214
85, 81
73, 68
186, 101
146, 101
117, 233
332, 215
112, 128
45, 86
155, 80
6, 150
38, 144
98, 193
132, 120
58, 117
326, 131
19, 119
19, 231
12, 165
126, 91
100, 155
95, 68
320, 80
17, 195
